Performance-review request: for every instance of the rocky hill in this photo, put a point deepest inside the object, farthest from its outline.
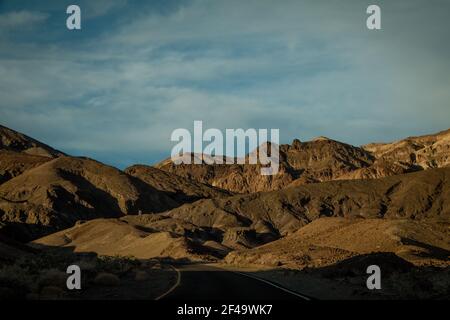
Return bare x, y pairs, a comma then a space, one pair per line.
303, 162
57, 193
326, 241
416, 195
179, 188
422, 152
16, 141
324, 159
209, 211
310, 226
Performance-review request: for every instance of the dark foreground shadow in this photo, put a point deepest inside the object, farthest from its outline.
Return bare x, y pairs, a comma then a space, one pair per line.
187, 280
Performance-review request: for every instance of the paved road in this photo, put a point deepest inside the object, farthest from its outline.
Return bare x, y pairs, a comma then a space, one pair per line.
200, 282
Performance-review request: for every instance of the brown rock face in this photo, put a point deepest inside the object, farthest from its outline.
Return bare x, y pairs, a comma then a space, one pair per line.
313, 161
324, 159
423, 152
179, 188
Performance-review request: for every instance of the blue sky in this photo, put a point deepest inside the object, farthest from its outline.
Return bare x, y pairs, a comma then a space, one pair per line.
116, 89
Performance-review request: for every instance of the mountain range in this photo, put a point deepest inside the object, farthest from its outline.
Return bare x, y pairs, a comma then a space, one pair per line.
330, 201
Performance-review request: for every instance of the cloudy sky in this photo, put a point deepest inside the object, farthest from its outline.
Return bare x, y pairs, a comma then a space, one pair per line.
116, 89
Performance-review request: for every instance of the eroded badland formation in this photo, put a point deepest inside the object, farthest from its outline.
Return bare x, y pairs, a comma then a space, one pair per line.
331, 208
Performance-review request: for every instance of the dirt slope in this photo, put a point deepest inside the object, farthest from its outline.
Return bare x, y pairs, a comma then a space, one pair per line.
117, 237
13, 163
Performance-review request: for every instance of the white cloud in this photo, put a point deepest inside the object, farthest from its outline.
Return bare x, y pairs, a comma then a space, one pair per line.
307, 68
92, 9
18, 19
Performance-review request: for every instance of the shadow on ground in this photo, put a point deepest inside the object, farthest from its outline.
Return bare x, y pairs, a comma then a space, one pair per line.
40, 273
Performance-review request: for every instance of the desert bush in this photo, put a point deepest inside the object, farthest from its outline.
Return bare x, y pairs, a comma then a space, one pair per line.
141, 275
51, 292
46, 260
15, 282
52, 277
116, 264
107, 279
30, 275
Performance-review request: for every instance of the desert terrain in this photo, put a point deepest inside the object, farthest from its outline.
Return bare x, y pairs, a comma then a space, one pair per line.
332, 210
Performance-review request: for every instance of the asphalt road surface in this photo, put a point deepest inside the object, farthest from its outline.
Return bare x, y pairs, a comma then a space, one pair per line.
200, 282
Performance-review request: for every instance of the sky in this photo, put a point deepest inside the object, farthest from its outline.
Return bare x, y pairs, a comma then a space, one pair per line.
116, 89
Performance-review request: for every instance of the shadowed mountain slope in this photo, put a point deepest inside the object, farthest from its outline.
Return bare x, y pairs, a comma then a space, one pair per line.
57, 193
179, 188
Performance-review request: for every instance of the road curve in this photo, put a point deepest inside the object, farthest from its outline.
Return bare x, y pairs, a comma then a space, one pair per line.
200, 282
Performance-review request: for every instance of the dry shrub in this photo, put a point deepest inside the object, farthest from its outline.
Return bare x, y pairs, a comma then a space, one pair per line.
107, 279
